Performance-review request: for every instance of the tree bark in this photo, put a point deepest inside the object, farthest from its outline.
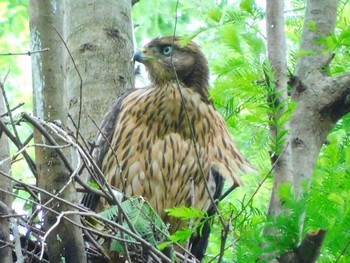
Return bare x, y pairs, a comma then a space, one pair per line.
82, 77
99, 37
308, 251
311, 123
6, 184
321, 101
66, 240
276, 44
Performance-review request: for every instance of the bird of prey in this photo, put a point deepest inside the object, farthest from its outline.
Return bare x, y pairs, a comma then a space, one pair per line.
166, 142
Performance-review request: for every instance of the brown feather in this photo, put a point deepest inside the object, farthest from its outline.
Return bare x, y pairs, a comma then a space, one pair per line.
217, 149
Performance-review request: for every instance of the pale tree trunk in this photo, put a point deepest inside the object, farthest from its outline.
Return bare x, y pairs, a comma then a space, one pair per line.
87, 67
99, 37
276, 44
66, 240
316, 94
321, 102
5, 199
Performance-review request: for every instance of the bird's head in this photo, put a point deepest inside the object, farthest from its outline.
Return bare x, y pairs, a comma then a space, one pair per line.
162, 56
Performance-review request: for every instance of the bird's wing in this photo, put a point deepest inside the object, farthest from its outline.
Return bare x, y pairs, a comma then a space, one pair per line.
199, 241
103, 142
107, 128
226, 159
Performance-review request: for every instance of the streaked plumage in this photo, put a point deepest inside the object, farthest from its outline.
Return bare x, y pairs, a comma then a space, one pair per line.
151, 136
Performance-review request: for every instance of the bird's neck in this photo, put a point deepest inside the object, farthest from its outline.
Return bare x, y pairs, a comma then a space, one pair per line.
172, 103
200, 87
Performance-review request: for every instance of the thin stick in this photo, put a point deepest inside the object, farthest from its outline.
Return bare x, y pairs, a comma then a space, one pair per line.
13, 109
29, 53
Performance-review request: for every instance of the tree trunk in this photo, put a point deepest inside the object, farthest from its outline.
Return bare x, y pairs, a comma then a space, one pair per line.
278, 100
321, 102
5, 199
99, 37
310, 123
66, 240
81, 78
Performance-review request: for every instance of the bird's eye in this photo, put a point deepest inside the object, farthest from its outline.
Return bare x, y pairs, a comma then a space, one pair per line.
167, 50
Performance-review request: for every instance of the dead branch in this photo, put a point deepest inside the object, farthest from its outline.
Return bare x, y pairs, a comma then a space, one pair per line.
12, 110
15, 138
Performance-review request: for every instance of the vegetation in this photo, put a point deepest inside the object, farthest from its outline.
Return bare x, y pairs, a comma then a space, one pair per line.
233, 37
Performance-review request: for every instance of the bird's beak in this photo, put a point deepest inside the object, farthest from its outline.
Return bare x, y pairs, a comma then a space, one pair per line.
140, 56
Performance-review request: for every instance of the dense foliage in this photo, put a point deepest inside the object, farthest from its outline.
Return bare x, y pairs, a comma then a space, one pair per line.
233, 37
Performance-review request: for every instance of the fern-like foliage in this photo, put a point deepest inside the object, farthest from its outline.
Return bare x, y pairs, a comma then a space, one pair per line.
328, 206
144, 220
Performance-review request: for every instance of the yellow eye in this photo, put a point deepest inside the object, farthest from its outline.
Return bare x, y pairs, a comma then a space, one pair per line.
167, 50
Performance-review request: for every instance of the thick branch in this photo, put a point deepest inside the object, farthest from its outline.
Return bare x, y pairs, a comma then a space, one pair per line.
308, 251
336, 99
319, 23
310, 123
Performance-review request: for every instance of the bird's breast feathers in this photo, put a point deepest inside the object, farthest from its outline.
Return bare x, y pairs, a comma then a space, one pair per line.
154, 154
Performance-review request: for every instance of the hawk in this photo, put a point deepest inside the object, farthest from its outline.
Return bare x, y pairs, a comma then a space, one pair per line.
166, 142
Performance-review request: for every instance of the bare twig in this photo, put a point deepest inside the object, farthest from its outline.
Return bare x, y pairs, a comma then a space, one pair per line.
261, 183
343, 251
13, 109
29, 53
86, 214
19, 146
96, 244
39, 124
7, 104
28, 253
7, 211
146, 244
216, 256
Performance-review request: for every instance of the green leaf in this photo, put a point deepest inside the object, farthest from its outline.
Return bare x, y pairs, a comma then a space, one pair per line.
215, 13
336, 198
231, 37
185, 212
247, 5
144, 219
182, 235
186, 38
93, 184
164, 245
302, 53
313, 26
111, 213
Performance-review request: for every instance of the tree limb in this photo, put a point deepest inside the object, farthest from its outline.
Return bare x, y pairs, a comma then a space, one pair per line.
320, 18
337, 96
308, 251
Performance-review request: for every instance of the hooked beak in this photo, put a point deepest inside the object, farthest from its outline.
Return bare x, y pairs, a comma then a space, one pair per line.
139, 57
